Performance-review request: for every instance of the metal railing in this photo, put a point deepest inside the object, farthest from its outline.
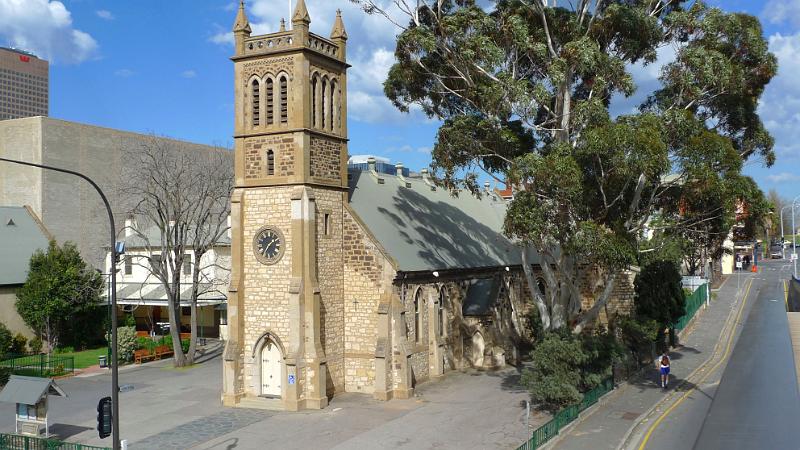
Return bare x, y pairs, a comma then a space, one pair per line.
19, 442
693, 303
38, 365
565, 416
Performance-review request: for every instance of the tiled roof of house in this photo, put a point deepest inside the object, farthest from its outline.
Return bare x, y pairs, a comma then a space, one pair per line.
20, 236
426, 229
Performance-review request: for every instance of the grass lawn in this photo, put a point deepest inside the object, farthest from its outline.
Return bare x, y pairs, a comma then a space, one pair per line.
86, 358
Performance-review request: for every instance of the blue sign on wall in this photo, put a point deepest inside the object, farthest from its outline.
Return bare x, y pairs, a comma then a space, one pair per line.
291, 379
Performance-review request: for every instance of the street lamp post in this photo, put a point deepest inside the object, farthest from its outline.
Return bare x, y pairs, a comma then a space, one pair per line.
114, 256
794, 238
783, 234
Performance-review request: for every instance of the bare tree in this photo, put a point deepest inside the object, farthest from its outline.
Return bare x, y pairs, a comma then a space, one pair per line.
181, 196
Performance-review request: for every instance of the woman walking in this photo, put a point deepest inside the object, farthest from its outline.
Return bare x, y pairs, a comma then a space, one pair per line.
663, 363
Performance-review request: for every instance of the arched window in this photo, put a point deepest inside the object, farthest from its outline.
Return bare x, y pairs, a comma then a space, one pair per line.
324, 104
541, 286
333, 104
442, 311
270, 162
284, 99
417, 321
256, 98
270, 101
313, 101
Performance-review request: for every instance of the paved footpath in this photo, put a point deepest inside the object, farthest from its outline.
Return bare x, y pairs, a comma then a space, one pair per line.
609, 424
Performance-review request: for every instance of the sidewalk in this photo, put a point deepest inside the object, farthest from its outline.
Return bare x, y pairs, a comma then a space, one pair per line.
606, 426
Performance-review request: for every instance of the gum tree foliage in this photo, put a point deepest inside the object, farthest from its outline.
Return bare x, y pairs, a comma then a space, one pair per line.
60, 289
184, 195
523, 89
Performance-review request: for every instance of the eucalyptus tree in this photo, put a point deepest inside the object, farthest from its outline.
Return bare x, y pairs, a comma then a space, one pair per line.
524, 89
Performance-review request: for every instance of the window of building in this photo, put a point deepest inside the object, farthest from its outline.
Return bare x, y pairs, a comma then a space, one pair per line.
155, 263
270, 162
187, 264
314, 101
442, 311
324, 102
417, 321
333, 105
128, 265
256, 104
326, 224
284, 99
270, 101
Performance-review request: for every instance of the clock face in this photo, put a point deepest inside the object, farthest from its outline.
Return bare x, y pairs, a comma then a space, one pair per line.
268, 245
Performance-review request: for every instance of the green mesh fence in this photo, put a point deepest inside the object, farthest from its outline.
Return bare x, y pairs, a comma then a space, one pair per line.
18, 442
39, 365
693, 303
565, 416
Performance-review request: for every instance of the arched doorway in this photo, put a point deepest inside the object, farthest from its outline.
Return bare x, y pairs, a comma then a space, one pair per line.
270, 370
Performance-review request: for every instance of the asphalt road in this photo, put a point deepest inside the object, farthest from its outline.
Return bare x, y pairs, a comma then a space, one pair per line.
757, 404
752, 401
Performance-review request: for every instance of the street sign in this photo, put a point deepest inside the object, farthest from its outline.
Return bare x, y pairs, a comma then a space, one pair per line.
739, 264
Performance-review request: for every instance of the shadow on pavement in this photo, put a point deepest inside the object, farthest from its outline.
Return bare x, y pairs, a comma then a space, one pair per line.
64, 431
681, 350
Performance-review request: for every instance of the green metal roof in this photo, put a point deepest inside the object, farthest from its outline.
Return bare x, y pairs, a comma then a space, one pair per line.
424, 229
20, 237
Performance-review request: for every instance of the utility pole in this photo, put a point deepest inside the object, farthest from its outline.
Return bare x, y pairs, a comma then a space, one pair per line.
114, 256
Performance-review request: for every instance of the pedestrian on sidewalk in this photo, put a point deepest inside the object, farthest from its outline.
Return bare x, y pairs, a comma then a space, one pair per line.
663, 364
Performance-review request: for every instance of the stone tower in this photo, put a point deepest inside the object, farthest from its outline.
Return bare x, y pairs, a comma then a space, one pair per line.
285, 305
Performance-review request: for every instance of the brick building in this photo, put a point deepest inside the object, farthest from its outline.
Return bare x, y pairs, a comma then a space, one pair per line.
363, 280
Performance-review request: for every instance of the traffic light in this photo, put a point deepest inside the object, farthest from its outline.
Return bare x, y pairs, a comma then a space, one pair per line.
104, 417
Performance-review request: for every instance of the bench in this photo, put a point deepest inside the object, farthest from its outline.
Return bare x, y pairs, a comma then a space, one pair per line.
142, 355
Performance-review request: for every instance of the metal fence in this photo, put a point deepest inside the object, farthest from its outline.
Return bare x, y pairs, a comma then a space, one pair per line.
693, 303
18, 442
565, 416
38, 365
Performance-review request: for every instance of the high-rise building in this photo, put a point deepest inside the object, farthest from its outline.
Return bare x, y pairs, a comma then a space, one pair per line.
24, 84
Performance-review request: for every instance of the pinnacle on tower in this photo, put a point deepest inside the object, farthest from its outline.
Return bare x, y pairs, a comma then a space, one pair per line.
338, 31
241, 24
283, 25
301, 13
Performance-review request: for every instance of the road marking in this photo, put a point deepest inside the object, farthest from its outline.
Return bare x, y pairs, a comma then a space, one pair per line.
709, 372
786, 294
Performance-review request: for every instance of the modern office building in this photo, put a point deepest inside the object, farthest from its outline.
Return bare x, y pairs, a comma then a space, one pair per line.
24, 84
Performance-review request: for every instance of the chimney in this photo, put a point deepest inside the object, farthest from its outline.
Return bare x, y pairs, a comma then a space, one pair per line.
426, 177
130, 226
372, 166
399, 168
487, 186
230, 235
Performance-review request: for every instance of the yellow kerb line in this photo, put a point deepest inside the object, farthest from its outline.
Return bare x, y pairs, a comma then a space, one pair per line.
709, 372
786, 294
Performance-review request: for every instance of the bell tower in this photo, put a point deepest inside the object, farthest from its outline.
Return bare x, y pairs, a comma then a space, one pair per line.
285, 338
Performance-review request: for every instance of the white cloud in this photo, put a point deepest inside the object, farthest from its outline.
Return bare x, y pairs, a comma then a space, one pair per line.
124, 73
188, 73
370, 51
781, 11
105, 14
45, 28
780, 105
783, 177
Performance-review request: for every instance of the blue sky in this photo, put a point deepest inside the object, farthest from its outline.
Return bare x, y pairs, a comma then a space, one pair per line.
158, 66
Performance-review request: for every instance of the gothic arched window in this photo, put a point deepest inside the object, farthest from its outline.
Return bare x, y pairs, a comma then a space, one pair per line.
256, 99
324, 102
284, 86
313, 101
333, 105
442, 310
270, 101
417, 321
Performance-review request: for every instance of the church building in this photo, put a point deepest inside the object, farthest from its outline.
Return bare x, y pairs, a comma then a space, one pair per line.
364, 280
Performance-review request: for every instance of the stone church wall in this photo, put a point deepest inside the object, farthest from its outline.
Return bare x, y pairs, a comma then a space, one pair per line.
255, 155
266, 302
366, 271
325, 159
331, 285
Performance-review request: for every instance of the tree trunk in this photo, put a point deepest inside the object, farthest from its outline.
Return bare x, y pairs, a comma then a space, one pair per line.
544, 314
591, 314
175, 329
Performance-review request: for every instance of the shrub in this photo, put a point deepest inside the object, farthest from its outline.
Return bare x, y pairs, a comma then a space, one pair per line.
167, 340
602, 350
67, 349
35, 344
19, 344
638, 336
130, 321
145, 343
126, 343
554, 378
659, 295
5, 373
5, 339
